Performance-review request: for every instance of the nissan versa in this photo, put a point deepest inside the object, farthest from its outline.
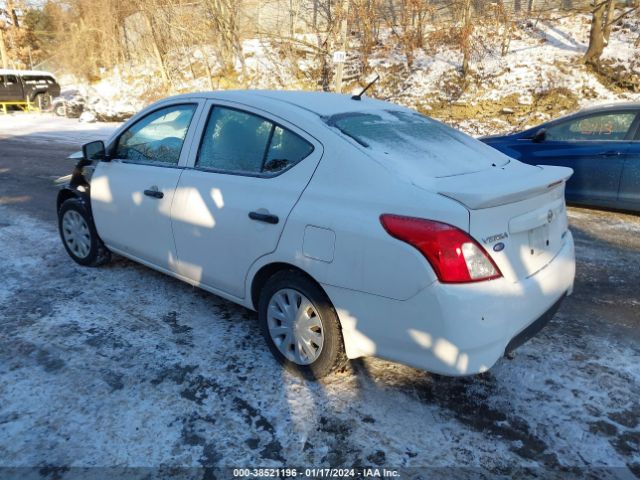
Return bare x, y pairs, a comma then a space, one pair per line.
353, 226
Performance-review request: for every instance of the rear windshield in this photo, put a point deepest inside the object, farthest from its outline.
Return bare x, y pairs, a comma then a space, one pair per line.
416, 140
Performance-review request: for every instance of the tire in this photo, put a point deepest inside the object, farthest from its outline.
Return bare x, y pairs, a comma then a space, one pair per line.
60, 110
42, 101
79, 236
321, 326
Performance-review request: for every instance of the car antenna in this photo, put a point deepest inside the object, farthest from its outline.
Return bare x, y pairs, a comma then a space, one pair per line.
359, 96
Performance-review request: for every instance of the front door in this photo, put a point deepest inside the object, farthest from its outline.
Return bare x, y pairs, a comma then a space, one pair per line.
594, 146
230, 209
131, 195
10, 89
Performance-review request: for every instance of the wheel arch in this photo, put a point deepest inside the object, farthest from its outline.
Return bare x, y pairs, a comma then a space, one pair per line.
265, 272
64, 195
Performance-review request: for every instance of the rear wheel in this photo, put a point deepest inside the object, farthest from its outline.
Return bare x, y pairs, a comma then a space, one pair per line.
79, 236
300, 325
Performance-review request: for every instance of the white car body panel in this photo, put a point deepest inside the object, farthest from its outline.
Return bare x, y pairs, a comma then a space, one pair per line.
387, 297
119, 205
210, 214
451, 329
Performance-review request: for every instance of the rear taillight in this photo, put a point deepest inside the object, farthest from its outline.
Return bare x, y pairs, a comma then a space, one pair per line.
453, 254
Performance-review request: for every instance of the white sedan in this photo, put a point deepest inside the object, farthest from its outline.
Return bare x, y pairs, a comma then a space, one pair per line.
354, 227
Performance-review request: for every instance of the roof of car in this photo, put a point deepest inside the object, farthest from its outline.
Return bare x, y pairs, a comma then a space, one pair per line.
611, 106
603, 107
320, 103
4, 71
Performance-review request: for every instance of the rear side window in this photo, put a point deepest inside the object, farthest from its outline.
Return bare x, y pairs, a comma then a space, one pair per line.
607, 126
37, 80
240, 142
286, 149
158, 137
412, 141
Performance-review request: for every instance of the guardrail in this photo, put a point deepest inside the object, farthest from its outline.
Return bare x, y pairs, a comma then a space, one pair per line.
24, 106
41, 104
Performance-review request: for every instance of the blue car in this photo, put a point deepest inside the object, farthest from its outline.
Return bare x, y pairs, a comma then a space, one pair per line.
601, 145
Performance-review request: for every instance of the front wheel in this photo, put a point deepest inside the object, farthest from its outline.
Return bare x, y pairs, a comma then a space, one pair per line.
43, 101
60, 110
301, 326
79, 236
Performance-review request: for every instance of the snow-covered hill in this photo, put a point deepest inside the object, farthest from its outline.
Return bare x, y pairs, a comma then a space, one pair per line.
540, 77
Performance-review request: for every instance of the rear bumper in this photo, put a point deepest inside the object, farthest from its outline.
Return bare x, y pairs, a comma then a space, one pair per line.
533, 329
455, 329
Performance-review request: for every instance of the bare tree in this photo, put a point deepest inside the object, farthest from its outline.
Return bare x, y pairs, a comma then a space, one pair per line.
3, 49
465, 36
223, 18
602, 19
407, 24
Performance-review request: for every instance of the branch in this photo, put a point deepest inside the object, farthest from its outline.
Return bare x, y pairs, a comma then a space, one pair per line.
613, 22
598, 5
292, 40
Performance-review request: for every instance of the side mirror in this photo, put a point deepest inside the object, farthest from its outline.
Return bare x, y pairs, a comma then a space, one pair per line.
539, 136
94, 151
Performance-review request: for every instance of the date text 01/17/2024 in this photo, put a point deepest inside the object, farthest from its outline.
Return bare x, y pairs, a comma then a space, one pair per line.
315, 473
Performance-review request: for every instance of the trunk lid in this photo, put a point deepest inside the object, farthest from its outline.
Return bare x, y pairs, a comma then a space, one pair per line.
519, 206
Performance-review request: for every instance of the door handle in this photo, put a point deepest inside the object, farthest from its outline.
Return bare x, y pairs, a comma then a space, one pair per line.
611, 154
264, 217
154, 192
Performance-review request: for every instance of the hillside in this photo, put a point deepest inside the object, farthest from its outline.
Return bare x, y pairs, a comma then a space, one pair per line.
541, 75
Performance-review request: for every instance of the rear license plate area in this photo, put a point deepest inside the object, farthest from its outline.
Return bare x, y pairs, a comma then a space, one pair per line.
539, 240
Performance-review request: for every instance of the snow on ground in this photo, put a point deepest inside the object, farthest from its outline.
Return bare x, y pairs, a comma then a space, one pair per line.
46, 127
124, 366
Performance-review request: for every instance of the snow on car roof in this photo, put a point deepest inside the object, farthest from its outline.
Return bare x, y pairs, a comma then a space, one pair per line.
320, 103
4, 71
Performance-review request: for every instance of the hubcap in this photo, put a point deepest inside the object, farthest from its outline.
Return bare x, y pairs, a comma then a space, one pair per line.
295, 326
76, 233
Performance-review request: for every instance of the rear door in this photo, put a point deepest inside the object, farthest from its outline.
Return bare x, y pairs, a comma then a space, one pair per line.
594, 146
230, 208
629, 194
131, 195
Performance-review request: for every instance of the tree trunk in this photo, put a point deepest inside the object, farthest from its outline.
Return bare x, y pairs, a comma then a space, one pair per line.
207, 67
611, 11
343, 40
466, 37
596, 37
156, 51
3, 51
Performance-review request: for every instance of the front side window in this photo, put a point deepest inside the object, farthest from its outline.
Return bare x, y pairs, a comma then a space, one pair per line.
239, 142
603, 126
158, 137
